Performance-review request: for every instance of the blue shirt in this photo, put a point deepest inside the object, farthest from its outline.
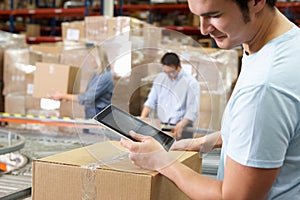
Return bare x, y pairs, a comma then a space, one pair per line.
261, 123
175, 99
97, 94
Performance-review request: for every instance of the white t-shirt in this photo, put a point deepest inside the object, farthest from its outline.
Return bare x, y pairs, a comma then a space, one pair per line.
261, 123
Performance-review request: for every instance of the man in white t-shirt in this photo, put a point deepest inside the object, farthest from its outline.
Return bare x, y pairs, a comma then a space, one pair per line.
260, 134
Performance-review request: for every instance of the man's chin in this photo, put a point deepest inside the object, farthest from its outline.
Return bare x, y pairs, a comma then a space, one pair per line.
223, 45
226, 45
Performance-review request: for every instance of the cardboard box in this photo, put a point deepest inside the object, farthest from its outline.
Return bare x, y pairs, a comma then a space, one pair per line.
47, 49
103, 171
71, 109
32, 103
96, 28
33, 30
16, 66
15, 103
49, 78
74, 31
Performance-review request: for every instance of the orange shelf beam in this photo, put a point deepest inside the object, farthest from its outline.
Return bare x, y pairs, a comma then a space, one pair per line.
39, 39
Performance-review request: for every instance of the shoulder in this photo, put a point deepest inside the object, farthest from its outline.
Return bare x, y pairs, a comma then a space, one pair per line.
284, 71
161, 77
189, 78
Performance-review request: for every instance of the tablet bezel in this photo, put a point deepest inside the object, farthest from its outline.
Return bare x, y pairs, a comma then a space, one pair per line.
163, 138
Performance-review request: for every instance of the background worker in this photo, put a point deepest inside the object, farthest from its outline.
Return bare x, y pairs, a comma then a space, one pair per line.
99, 89
176, 95
260, 133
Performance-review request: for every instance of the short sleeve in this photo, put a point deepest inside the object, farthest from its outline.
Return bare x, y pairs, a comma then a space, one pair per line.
263, 120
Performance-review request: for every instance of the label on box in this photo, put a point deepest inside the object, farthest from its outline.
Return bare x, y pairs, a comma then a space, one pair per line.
49, 104
72, 34
30, 88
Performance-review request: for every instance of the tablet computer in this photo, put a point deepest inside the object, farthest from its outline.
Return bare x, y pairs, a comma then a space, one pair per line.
121, 122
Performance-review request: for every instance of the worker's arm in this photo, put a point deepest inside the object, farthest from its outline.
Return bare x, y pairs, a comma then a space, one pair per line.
202, 144
70, 97
240, 182
178, 128
64, 97
145, 112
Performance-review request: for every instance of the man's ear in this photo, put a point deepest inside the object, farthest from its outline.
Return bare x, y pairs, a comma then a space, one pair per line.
257, 5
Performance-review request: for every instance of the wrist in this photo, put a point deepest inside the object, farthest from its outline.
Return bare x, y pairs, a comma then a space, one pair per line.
167, 166
62, 97
183, 123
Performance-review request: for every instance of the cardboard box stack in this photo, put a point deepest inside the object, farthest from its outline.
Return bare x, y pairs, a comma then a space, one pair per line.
28, 71
103, 171
8, 41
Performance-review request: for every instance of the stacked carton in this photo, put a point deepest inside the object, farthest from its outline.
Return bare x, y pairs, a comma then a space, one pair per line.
30, 74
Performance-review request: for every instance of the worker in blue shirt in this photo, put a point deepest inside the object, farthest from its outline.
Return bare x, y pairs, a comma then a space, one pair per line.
176, 95
99, 89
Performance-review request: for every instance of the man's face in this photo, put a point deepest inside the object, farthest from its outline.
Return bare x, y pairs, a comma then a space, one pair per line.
223, 21
171, 71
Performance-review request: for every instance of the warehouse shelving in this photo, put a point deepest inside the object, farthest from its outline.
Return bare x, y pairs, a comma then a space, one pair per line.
51, 13
43, 39
42, 13
290, 9
154, 7
39, 13
188, 30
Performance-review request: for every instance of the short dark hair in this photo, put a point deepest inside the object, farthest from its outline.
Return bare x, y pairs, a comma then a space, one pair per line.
170, 59
243, 4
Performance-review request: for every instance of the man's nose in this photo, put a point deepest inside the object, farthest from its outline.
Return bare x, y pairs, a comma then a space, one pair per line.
205, 26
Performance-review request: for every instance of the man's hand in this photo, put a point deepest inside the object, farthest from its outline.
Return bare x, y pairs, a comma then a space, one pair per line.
147, 153
56, 96
202, 144
177, 131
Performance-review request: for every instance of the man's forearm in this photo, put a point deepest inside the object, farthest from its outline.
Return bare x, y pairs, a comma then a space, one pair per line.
70, 97
184, 122
211, 141
145, 112
179, 173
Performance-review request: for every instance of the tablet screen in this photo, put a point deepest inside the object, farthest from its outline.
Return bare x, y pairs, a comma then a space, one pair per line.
122, 122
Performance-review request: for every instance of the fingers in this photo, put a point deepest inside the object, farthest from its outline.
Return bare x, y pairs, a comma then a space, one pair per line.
131, 145
126, 143
138, 137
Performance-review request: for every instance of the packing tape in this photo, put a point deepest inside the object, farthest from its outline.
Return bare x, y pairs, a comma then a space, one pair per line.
88, 175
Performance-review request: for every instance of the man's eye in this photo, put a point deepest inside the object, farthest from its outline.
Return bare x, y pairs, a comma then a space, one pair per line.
215, 16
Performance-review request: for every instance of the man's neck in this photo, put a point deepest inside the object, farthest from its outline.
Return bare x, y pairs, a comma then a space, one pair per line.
268, 30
